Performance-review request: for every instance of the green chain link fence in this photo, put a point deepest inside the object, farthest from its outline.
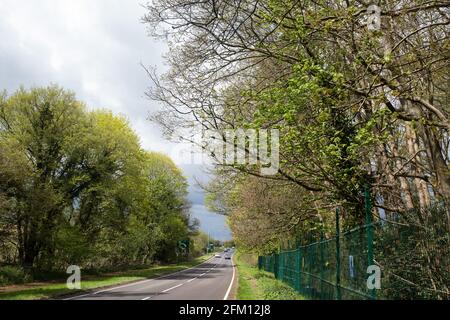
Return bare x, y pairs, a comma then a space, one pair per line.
411, 250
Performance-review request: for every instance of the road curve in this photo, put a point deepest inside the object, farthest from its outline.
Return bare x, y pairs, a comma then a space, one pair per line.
211, 280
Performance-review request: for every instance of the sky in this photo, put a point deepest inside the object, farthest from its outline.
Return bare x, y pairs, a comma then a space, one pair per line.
94, 48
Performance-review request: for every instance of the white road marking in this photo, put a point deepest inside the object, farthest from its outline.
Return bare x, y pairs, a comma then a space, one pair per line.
124, 286
167, 290
135, 283
80, 296
164, 276
231, 283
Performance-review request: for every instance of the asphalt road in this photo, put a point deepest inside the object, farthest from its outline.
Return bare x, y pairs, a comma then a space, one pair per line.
211, 280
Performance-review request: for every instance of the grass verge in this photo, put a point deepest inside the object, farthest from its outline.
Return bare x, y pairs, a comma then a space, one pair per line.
254, 284
34, 291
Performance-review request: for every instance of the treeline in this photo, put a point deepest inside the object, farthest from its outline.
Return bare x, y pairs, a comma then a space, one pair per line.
358, 107
76, 188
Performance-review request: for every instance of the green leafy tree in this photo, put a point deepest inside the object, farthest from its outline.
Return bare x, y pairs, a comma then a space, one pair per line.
77, 188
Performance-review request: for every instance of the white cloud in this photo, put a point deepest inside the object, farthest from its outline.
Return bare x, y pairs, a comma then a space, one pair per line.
92, 47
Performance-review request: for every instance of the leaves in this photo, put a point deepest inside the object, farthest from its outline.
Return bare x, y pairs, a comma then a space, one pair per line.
78, 188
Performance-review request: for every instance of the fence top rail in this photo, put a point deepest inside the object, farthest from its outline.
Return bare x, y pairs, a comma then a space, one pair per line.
381, 241
332, 238
318, 242
345, 233
362, 227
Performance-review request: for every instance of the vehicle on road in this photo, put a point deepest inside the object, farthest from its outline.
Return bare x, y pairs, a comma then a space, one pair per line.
217, 255
228, 256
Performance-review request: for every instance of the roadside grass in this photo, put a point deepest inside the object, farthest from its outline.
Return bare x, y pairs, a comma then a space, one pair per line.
35, 291
254, 284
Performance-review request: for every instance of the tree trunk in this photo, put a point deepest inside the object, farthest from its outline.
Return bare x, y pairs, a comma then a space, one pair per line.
405, 191
413, 150
440, 168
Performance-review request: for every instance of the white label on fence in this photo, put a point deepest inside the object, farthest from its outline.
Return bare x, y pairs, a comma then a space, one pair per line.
351, 266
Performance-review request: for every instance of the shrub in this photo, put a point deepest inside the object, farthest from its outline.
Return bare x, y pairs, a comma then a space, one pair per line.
13, 275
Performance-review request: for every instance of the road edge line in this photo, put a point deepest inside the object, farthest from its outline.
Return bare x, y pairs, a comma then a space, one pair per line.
232, 280
134, 283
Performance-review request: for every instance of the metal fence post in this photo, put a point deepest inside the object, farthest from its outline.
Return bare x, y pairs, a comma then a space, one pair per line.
338, 258
322, 263
272, 263
300, 259
297, 268
276, 266
369, 232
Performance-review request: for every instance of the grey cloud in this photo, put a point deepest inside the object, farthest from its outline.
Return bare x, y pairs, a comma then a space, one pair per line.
93, 48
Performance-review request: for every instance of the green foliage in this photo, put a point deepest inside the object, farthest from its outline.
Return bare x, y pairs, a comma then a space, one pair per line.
13, 274
413, 255
255, 284
356, 108
319, 141
422, 273
77, 188
58, 287
199, 243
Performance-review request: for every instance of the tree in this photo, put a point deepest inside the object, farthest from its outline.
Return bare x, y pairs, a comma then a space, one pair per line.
37, 124
77, 188
358, 107
355, 106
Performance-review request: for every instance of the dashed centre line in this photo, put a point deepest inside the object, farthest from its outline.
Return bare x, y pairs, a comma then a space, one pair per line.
188, 281
174, 287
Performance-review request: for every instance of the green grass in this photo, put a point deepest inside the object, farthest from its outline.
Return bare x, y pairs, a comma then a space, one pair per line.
254, 284
51, 290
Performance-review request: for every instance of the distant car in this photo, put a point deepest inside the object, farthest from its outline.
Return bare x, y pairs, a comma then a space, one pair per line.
228, 256
217, 255
226, 250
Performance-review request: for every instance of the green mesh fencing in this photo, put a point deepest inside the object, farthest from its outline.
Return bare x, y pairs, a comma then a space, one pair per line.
411, 250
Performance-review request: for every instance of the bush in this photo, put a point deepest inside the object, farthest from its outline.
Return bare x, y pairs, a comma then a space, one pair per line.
13, 275
415, 254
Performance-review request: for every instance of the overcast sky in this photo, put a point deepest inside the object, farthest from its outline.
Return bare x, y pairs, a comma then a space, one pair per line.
92, 47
